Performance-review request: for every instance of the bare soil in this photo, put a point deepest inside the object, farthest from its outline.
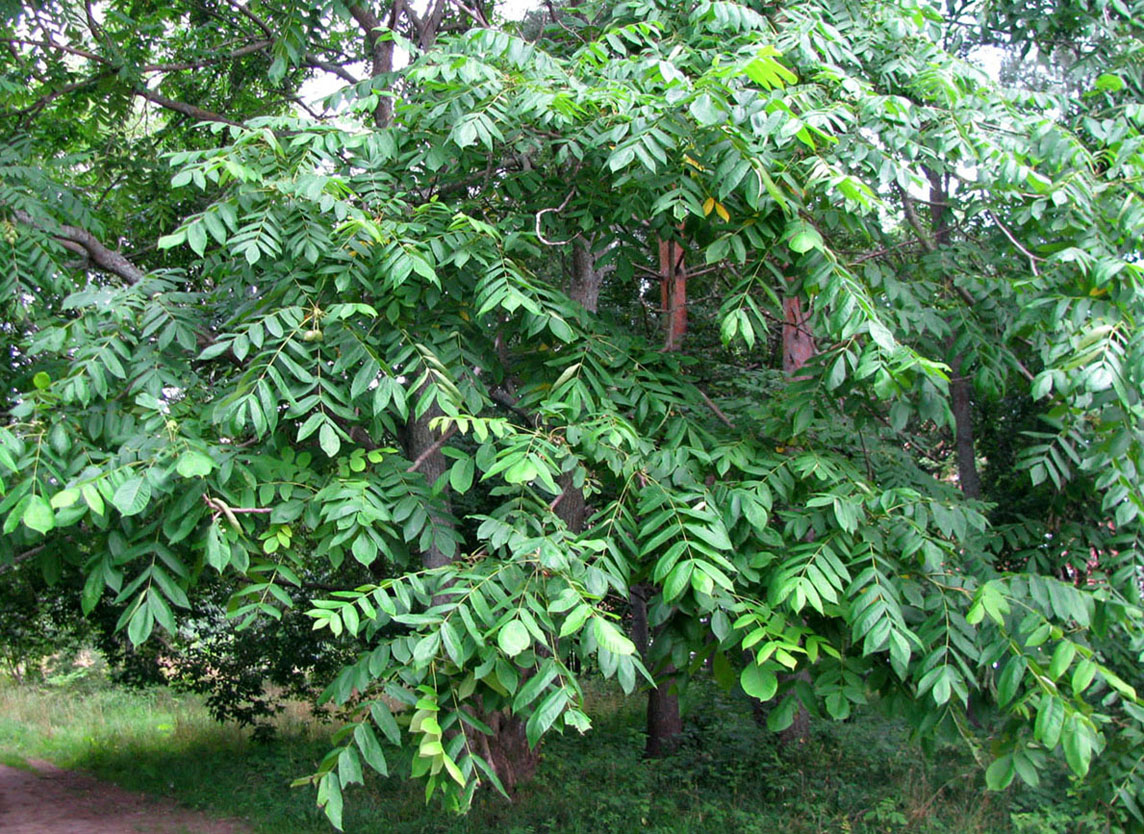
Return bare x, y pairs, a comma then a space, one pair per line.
44, 799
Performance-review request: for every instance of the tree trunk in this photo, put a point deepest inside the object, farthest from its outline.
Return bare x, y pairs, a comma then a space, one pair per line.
673, 292
586, 279
507, 750
664, 724
960, 389
961, 393
798, 349
798, 341
422, 447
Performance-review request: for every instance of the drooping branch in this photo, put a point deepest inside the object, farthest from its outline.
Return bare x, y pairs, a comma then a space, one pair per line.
84, 243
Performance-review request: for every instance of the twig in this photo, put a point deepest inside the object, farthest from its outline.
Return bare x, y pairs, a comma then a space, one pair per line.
437, 444
540, 236
1032, 258
718, 411
220, 507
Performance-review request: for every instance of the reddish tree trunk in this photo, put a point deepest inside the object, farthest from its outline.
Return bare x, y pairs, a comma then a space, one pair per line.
673, 293
507, 750
798, 341
798, 349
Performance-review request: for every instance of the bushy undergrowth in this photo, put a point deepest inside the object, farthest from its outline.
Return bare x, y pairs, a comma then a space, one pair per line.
728, 776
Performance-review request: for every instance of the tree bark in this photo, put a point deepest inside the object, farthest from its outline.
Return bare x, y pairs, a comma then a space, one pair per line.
664, 724
961, 402
507, 750
380, 51
798, 341
586, 279
960, 389
423, 446
798, 349
673, 292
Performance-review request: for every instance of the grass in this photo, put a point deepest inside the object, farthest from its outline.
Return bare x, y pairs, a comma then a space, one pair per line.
728, 777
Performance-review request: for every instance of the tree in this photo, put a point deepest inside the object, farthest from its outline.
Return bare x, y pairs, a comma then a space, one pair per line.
352, 341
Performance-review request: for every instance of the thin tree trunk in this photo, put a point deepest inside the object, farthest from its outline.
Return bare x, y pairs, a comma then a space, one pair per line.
960, 389
961, 401
798, 349
664, 724
673, 292
422, 445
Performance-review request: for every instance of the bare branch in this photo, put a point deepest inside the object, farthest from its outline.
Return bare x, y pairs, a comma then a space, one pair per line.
1032, 258
184, 108
84, 243
540, 235
338, 70
431, 450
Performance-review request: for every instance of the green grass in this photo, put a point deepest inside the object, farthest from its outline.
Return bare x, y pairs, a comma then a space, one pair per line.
728, 777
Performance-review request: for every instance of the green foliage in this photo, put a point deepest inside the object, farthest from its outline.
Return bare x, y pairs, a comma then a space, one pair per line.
352, 354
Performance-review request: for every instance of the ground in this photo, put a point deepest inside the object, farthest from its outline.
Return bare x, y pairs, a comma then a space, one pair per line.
42, 799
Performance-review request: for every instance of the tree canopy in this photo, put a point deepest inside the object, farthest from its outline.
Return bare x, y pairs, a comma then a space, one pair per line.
495, 335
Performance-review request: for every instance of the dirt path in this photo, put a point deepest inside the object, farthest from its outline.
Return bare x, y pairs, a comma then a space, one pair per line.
47, 800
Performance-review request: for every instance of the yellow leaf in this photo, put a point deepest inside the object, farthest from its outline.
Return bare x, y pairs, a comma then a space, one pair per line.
693, 163
708, 206
721, 210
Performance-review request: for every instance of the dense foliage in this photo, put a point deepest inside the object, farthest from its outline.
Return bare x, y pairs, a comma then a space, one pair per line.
426, 333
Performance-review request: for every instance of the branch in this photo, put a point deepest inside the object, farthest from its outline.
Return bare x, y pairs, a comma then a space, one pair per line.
50, 44
1032, 258
257, 46
184, 108
916, 224
540, 236
475, 13
85, 243
437, 444
251, 16
718, 411
338, 70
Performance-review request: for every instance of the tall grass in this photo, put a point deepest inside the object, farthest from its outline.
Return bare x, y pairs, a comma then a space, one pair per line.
729, 777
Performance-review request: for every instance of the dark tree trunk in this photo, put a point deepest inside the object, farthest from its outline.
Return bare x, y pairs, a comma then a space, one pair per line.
961, 396
507, 750
799, 730
960, 389
586, 278
664, 724
380, 49
423, 447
